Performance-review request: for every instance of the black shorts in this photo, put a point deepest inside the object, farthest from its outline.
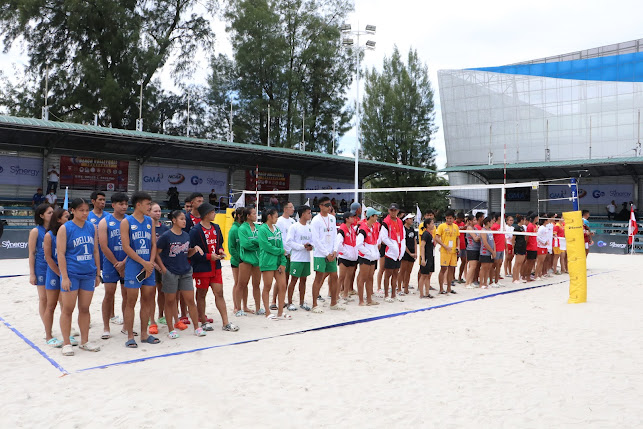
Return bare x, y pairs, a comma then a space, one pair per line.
382, 251
428, 268
346, 262
520, 250
473, 255
391, 264
234, 266
532, 254
486, 259
365, 261
408, 257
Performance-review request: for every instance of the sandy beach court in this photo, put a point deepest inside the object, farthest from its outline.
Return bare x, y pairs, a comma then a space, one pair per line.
524, 359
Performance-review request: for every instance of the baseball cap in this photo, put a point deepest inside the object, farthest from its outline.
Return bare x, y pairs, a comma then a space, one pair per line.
409, 216
349, 214
355, 206
371, 211
205, 208
393, 206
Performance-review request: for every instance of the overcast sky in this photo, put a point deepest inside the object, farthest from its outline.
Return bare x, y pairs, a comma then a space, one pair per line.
462, 34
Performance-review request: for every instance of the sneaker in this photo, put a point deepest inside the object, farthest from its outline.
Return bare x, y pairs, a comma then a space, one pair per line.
230, 327
116, 320
305, 306
162, 321
207, 327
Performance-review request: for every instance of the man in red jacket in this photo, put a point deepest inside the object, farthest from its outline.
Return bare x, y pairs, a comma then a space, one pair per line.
392, 236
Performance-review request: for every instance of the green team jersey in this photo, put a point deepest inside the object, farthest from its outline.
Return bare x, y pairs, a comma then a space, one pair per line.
248, 245
233, 243
271, 246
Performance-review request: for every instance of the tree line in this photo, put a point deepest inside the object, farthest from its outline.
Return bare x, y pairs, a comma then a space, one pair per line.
286, 83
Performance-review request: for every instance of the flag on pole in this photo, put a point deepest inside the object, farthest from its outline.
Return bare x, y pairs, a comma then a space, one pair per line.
241, 202
418, 214
307, 202
66, 203
632, 229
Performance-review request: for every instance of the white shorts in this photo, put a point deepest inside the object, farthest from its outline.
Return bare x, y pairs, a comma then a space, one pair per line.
562, 243
586, 246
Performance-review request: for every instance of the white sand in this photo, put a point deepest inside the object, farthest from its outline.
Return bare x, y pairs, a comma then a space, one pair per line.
526, 359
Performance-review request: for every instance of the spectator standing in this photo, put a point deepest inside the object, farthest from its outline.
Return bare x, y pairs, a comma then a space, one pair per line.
611, 210
52, 180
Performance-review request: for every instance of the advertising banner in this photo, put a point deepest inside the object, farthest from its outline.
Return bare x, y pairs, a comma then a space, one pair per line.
330, 188
268, 181
93, 174
593, 194
606, 243
13, 244
518, 194
185, 179
17, 170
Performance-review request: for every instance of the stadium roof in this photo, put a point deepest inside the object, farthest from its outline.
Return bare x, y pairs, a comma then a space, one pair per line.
627, 166
37, 135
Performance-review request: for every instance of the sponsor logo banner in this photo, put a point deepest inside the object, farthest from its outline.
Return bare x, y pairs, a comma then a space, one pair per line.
185, 179
330, 188
93, 174
13, 244
605, 243
16, 170
593, 194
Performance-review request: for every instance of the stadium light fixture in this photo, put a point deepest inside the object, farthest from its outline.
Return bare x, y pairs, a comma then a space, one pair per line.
370, 45
347, 42
346, 28
370, 29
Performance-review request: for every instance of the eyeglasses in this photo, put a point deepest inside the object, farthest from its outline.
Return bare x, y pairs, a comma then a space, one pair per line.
326, 205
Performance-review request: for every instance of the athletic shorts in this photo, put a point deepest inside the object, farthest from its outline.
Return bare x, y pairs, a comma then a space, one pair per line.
172, 283
462, 254
531, 254
586, 246
382, 251
556, 250
324, 266
408, 258
520, 250
448, 259
346, 262
485, 259
510, 249
500, 256
204, 280
41, 275
131, 271
52, 281
158, 277
473, 255
249, 263
288, 264
81, 283
365, 261
428, 268
234, 266
110, 275
562, 243
299, 269
391, 264
542, 250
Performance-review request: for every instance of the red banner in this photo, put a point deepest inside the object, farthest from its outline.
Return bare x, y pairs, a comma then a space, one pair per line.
93, 174
267, 181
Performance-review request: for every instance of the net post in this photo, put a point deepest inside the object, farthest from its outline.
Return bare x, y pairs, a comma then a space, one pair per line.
503, 202
574, 193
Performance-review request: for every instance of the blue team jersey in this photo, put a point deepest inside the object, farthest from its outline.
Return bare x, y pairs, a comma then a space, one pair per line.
140, 238
41, 264
114, 238
53, 281
79, 252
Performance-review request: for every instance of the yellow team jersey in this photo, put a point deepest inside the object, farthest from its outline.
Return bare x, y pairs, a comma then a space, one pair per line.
449, 235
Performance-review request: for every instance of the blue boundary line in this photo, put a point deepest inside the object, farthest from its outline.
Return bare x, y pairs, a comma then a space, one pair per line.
320, 328
13, 275
35, 347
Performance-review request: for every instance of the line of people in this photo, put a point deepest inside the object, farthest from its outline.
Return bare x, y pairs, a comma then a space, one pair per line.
72, 252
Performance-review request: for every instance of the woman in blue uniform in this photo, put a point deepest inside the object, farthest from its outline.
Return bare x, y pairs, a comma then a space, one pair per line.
77, 245
37, 263
52, 282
